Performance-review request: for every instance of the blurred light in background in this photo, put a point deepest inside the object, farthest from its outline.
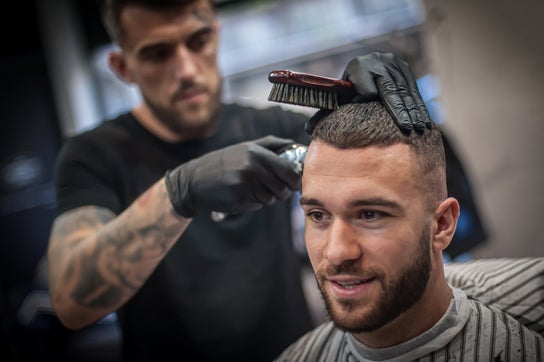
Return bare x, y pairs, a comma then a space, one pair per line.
276, 32
429, 88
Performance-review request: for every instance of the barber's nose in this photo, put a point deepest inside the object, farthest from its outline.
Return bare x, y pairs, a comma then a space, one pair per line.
186, 66
342, 244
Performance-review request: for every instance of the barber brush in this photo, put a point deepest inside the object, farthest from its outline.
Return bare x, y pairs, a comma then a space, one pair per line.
295, 154
308, 90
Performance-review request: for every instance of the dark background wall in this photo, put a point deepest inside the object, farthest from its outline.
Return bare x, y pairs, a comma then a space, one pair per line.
30, 139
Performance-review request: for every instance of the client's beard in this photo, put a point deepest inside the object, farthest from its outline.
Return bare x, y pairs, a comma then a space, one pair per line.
397, 297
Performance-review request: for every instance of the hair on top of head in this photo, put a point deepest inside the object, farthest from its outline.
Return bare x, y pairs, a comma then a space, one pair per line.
356, 125
359, 125
110, 11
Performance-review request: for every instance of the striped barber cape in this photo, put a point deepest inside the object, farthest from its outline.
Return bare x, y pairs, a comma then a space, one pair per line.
496, 315
513, 285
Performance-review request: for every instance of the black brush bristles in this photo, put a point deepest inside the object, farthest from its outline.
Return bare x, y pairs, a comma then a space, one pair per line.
308, 90
303, 96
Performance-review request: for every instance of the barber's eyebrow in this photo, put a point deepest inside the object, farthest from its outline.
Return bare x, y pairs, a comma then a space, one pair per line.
310, 201
204, 30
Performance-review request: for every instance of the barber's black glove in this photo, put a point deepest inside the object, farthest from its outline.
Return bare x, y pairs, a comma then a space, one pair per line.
241, 177
384, 76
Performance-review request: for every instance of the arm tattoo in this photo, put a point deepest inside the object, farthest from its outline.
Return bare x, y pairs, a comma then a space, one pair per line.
125, 251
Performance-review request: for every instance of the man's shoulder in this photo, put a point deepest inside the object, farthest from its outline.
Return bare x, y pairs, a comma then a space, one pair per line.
493, 334
272, 111
315, 345
107, 132
118, 124
511, 285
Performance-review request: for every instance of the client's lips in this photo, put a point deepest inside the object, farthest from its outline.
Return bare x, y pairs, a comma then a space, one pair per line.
348, 287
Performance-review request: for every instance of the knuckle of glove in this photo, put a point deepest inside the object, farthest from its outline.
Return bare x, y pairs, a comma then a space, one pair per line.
284, 194
417, 123
354, 63
389, 88
405, 126
429, 123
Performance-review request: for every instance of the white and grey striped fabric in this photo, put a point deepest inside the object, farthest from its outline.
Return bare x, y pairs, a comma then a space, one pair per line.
496, 315
514, 285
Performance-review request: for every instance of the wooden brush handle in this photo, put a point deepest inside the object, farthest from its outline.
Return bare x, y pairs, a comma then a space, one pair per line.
309, 80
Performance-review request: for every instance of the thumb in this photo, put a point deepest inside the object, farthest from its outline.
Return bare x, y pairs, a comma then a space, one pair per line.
274, 143
361, 72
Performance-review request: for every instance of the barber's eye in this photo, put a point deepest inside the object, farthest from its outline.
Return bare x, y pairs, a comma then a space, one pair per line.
199, 41
157, 54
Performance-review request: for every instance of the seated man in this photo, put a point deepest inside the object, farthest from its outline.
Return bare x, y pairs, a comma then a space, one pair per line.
378, 218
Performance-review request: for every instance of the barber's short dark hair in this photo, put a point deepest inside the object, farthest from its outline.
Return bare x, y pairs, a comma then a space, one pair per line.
110, 11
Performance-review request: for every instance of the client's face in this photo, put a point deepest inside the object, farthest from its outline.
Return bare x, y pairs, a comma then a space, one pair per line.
366, 233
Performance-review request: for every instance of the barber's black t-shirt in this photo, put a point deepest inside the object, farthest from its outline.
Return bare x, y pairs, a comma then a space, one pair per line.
226, 291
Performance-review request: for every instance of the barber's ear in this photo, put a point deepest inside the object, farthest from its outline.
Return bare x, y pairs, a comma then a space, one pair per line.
118, 65
446, 217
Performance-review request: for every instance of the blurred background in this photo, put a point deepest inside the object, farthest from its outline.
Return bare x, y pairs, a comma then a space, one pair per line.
479, 66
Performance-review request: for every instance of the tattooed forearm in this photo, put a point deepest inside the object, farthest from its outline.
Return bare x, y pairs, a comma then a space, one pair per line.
108, 258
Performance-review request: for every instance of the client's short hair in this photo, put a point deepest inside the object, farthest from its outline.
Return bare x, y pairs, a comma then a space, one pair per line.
358, 125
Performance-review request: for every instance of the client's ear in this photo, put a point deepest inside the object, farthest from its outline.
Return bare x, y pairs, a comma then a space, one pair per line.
446, 217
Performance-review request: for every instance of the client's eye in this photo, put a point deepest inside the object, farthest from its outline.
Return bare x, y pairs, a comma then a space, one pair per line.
318, 217
315, 215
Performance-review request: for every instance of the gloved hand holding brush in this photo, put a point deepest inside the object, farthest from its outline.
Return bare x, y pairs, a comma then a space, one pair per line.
373, 76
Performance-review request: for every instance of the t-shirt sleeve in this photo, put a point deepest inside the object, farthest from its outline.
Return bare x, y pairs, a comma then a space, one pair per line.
82, 178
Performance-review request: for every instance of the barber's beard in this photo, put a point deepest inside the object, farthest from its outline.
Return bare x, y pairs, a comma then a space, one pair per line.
187, 123
397, 296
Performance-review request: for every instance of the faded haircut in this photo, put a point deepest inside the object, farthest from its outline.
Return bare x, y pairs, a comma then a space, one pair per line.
359, 125
110, 11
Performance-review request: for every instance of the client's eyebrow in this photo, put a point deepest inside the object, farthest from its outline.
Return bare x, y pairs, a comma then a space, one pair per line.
356, 203
376, 202
309, 201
